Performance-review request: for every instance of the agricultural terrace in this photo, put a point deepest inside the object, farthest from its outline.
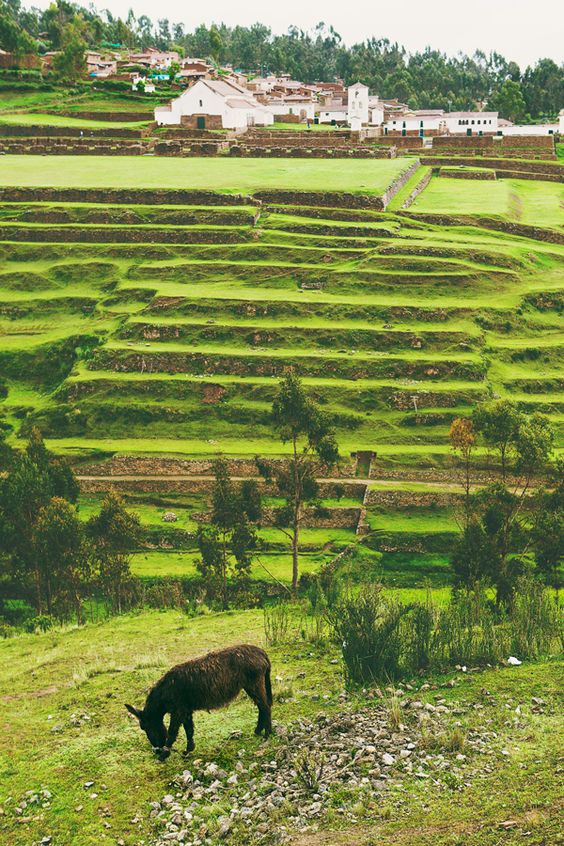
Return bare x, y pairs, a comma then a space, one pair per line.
142, 330
226, 176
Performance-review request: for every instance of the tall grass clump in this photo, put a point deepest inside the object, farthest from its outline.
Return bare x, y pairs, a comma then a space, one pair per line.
368, 627
276, 623
382, 639
468, 632
536, 621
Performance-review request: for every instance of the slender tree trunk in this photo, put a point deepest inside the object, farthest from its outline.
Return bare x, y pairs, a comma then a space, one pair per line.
38, 596
224, 575
296, 522
295, 549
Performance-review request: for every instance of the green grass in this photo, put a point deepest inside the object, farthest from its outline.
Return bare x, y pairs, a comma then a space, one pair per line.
46, 679
225, 175
38, 119
520, 200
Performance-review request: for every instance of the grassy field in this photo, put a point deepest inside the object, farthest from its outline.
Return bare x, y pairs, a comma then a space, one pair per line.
65, 730
224, 175
38, 119
535, 203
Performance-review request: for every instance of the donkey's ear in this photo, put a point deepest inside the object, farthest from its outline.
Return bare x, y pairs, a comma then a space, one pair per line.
135, 711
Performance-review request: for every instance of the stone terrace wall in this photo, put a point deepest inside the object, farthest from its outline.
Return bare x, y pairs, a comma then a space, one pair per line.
341, 152
521, 229
192, 148
133, 465
544, 169
119, 235
9, 130
465, 144
74, 146
417, 190
411, 499
454, 173
318, 198
185, 134
400, 141
122, 196
399, 182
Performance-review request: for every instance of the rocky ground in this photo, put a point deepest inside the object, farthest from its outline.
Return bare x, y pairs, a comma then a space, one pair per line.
337, 765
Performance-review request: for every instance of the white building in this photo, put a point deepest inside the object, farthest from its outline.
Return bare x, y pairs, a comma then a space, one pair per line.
471, 123
142, 83
214, 104
375, 111
334, 113
561, 122
294, 104
530, 129
357, 109
419, 122
438, 122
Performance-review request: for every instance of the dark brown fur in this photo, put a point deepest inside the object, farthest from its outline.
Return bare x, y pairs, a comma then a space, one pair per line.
204, 684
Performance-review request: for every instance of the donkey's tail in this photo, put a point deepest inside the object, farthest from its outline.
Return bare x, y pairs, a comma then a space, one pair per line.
268, 686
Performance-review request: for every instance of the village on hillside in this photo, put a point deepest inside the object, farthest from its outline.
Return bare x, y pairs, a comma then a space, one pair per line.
214, 97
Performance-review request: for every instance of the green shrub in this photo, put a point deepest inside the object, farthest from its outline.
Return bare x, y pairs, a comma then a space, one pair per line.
381, 639
369, 628
535, 621
41, 623
467, 632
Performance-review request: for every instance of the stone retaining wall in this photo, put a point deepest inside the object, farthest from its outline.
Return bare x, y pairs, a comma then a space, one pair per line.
8, 130
357, 152
122, 196
399, 182
411, 499
194, 148
318, 198
551, 236
453, 173
133, 465
121, 235
545, 168
419, 188
329, 518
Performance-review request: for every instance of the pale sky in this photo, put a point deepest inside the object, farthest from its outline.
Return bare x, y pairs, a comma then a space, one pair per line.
522, 30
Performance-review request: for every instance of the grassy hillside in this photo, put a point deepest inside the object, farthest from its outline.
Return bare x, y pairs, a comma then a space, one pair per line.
66, 732
160, 330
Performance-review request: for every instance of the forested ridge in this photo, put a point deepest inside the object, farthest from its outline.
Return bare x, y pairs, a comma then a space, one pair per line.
428, 79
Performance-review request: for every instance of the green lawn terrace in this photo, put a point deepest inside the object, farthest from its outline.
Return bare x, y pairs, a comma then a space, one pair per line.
162, 329
415, 539
223, 175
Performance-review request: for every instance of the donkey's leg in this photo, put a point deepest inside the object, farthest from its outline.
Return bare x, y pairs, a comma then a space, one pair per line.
189, 729
173, 728
257, 692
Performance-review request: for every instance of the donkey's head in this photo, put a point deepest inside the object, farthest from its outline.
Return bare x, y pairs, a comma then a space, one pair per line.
154, 728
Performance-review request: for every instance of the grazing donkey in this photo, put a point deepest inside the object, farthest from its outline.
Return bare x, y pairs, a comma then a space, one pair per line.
203, 684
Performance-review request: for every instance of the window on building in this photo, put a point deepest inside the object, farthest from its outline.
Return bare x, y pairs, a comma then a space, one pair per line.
201, 103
